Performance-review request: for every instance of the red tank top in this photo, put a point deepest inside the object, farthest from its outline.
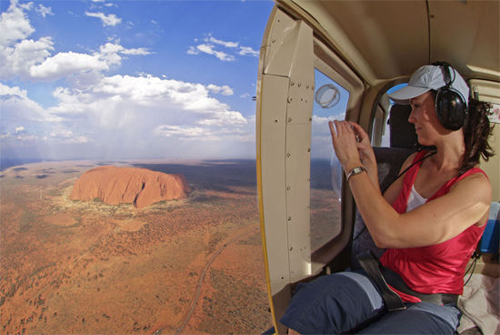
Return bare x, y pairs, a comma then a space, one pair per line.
438, 268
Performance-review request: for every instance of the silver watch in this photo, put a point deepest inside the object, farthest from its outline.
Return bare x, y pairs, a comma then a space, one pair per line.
355, 171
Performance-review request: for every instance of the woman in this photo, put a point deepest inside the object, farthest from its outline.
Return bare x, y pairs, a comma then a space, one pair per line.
430, 220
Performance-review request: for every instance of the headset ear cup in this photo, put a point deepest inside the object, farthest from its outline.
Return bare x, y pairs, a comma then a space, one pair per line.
450, 109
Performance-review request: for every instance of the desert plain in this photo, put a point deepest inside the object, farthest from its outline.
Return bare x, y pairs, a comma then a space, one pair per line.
189, 266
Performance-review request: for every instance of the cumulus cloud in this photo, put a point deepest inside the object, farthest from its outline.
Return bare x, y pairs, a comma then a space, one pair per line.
21, 116
93, 114
107, 20
63, 64
228, 54
14, 25
28, 59
121, 109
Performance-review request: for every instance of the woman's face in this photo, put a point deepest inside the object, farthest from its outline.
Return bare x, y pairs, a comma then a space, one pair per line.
423, 116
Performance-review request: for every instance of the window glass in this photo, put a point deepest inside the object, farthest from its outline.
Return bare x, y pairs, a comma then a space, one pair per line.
330, 103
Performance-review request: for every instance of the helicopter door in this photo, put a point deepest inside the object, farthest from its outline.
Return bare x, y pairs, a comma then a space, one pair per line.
299, 182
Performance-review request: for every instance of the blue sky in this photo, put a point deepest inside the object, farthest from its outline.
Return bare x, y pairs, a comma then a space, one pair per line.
130, 79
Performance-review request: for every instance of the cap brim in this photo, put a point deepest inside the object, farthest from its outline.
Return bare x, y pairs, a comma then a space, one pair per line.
403, 96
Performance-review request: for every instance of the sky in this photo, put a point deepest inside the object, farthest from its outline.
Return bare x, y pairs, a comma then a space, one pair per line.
129, 79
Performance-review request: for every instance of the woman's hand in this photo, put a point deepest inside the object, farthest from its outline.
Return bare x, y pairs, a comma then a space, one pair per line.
345, 144
366, 154
352, 147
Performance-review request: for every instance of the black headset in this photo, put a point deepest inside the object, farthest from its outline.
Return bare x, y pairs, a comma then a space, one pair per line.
451, 106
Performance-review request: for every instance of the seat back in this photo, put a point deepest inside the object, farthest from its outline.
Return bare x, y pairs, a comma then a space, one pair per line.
403, 141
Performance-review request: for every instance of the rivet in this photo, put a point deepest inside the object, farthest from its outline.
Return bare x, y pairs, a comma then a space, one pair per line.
289, 119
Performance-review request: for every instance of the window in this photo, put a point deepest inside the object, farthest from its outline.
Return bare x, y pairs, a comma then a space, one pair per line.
330, 103
381, 130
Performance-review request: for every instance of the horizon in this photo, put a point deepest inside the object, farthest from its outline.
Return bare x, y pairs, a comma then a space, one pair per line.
129, 80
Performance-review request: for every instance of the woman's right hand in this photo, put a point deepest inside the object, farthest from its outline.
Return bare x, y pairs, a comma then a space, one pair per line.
365, 149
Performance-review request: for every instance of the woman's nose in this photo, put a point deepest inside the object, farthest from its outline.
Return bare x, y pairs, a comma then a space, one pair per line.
411, 118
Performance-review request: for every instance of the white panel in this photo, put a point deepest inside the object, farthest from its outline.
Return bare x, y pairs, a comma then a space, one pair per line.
285, 93
272, 153
298, 196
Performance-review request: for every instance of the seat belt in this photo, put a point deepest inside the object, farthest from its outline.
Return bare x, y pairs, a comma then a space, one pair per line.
370, 263
382, 276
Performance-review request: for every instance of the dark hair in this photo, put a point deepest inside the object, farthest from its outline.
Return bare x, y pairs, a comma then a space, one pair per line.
477, 130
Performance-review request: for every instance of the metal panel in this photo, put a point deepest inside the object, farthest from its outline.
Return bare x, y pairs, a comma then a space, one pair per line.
297, 200
272, 153
283, 155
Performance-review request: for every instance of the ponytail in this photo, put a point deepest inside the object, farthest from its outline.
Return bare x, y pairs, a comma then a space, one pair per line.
477, 130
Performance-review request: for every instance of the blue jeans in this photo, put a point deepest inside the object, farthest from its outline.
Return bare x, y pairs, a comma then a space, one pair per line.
349, 302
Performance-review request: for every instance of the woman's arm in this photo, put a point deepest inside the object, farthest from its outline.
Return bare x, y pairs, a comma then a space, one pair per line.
366, 154
436, 221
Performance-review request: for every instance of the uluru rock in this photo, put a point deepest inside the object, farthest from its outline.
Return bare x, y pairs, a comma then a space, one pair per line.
141, 187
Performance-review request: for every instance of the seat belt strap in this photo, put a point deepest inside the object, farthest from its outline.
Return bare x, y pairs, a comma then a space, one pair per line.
371, 265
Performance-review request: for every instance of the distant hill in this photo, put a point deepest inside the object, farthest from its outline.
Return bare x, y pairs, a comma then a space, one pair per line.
141, 187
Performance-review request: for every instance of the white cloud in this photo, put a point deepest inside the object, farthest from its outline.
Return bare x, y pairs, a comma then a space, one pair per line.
223, 90
121, 116
94, 114
229, 52
17, 60
107, 20
210, 49
248, 51
30, 59
220, 42
180, 131
43, 11
67, 137
14, 25
64, 64
19, 109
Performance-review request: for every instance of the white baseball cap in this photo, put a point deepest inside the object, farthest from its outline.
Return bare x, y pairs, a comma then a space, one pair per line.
430, 77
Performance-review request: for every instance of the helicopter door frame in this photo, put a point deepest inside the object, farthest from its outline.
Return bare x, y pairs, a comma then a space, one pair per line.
285, 91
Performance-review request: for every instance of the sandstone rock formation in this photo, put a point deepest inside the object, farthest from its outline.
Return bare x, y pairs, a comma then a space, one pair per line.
141, 187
